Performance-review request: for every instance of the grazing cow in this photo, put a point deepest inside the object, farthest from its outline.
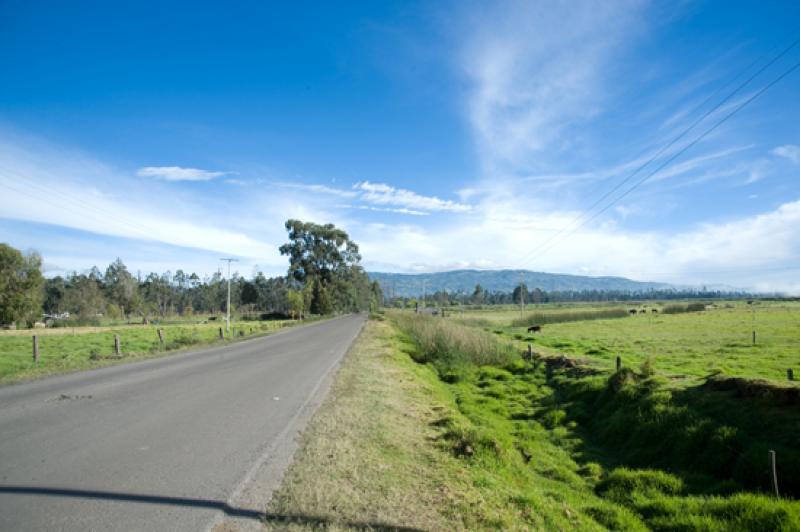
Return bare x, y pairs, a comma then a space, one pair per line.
643, 311
654, 311
632, 311
535, 328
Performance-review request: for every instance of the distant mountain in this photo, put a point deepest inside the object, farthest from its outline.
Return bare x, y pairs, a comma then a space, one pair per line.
409, 285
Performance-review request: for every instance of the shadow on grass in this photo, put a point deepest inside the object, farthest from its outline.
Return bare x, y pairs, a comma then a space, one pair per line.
189, 502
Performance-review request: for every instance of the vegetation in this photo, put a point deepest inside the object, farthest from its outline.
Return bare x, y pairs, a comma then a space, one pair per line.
324, 262
542, 318
324, 277
20, 286
620, 450
67, 349
687, 346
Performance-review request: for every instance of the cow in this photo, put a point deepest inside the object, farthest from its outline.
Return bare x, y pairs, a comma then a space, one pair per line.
654, 311
535, 328
632, 311
643, 311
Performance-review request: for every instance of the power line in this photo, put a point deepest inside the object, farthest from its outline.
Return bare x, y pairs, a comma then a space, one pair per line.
667, 146
79, 203
682, 150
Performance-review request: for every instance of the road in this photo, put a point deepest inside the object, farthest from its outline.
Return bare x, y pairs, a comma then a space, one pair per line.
176, 443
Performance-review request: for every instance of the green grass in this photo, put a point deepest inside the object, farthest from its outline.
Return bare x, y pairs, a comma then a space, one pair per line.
627, 450
691, 344
61, 351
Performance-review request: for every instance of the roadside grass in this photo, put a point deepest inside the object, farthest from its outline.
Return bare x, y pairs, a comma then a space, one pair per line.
381, 453
691, 344
626, 450
65, 352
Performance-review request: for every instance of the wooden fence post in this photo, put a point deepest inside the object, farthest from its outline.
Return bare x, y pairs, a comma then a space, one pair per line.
530, 352
221, 334
619, 363
117, 348
36, 349
790, 374
774, 472
754, 338
161, 337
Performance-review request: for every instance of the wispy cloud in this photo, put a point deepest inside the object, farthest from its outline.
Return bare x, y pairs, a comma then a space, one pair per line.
320, 189
383, 194
788, 151
402, 201
178, 173
537, 72
383, 209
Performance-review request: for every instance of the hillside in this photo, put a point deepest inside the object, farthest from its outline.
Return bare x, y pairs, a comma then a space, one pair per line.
407, 285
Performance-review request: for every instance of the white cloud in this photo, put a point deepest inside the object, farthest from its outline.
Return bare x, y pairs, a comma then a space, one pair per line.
537, 71
321, 189
177, 173
383, 194
47, 184
384, 209
789, 151
403, 201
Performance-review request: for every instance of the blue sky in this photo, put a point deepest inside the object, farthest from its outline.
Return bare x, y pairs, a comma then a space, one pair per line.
439, 135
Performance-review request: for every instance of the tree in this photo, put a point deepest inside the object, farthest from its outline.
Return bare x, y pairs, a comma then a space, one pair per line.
324, 260
21, 285
321, 299
121, 287
296, 304
478, 295
318, 250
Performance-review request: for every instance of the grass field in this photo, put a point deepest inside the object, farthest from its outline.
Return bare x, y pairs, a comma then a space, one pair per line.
65, 349
692, 344
635, 448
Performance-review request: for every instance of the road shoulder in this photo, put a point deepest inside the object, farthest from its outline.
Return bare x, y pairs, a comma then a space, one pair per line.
370, 457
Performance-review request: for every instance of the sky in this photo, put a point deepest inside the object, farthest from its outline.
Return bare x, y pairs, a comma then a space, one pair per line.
656, 141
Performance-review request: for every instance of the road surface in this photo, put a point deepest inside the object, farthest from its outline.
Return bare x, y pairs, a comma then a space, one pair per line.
176, 443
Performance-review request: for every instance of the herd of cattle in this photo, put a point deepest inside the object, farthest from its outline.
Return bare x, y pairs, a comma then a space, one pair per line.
642, 311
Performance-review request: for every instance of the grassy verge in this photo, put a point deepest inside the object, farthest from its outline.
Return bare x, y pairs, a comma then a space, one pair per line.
62, 351
375, 456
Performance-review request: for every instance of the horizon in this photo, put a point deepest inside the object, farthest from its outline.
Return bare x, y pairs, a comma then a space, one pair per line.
441, 138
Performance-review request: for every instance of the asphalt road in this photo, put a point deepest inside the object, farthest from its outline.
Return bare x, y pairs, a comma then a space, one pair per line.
176, 443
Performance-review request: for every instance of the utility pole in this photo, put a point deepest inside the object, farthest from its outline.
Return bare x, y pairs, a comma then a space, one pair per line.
228, 306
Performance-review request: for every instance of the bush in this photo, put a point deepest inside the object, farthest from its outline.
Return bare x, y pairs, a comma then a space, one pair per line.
680, 309
449, 345
544, 318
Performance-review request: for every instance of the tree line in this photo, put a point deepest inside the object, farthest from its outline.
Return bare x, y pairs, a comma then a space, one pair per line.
522, 293
324, 277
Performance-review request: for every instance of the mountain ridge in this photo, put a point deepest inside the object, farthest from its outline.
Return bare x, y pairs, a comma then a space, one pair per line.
411, 284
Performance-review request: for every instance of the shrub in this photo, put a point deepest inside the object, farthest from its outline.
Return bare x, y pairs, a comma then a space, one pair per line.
544, 318
449, 346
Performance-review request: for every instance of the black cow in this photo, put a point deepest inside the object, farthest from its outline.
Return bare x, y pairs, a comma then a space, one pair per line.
535, 328
654, 311
632, 311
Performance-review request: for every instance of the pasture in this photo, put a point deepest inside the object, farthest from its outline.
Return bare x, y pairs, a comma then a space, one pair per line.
650, 446
68, 349
691, 344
